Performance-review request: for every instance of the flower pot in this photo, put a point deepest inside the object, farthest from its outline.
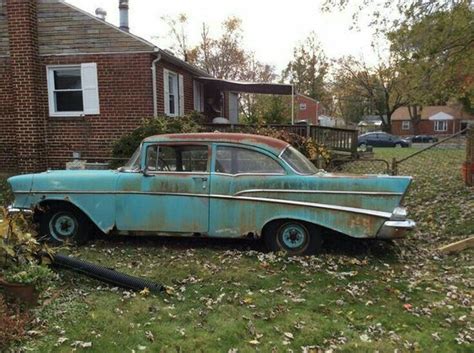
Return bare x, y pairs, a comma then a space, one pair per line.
26, 293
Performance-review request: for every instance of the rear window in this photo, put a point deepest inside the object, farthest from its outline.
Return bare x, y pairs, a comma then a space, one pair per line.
235, 160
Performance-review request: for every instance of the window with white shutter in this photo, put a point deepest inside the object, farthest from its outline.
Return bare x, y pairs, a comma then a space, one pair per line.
173, 87
73, 90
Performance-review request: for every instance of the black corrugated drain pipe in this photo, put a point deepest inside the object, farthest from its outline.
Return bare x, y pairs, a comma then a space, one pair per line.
106, 274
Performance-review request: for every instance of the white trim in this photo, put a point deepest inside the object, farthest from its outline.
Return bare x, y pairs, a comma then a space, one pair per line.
405, 127
444, 125
343, 192
100, 53
181, 95
440, 116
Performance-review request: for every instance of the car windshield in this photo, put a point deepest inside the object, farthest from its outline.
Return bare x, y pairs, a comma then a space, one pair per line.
298, 161
133, 163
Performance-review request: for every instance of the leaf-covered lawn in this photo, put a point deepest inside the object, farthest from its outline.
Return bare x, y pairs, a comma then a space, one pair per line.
227, 296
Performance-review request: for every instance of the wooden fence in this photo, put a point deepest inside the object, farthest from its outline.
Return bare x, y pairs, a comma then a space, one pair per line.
337, 139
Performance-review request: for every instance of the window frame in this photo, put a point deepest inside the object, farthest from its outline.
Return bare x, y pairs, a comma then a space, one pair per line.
52, 90
89, 89
436, 127
303, 107
198, 96
249, 148
178, 85
406, 124
184, 143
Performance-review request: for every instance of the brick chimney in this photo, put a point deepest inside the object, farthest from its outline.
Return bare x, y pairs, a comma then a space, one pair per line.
25, 77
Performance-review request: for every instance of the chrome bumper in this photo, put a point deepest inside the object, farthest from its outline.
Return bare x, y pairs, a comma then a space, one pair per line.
15, 210
395, 229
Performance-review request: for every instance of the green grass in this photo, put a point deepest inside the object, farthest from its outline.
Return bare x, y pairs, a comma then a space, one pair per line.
359, 296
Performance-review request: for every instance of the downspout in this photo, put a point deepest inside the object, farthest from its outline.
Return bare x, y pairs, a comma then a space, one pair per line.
153, 80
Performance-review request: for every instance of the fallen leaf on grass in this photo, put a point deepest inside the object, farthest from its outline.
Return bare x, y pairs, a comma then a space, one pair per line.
81, 344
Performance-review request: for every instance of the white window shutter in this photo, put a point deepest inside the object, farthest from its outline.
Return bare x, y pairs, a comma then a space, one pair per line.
50, 79
196, 96
166, 91
90, 88
181, 95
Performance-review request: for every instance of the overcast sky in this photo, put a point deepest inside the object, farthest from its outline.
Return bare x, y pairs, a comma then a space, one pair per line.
271, 28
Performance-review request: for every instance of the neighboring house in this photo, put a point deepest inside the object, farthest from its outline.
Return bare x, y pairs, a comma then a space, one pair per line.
72, 82
330, 121
307, 110
370, 123
435, 120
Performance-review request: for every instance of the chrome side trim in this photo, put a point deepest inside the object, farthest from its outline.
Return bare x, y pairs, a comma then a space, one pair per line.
226, 197
373, 193
309, 204
14, 210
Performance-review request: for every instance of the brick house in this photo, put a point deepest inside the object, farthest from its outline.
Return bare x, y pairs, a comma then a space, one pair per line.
435, 120
307, 109
72, 82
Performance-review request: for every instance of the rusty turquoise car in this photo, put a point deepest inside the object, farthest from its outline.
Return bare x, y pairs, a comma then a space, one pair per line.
215, 185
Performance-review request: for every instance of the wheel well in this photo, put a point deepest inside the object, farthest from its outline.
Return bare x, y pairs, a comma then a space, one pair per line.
311, 226
43, 205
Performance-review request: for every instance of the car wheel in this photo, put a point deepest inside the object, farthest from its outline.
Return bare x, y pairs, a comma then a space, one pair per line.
431, 141
64, 224
398, 145
293, 238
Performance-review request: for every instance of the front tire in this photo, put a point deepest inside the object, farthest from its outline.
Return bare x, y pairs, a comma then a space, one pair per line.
292, 237
61, 224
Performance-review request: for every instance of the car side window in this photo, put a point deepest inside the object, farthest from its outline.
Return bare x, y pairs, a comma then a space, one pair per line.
179, 158
235, 160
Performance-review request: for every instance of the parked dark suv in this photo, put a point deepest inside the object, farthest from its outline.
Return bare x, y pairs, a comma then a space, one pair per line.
382, 139
423, 138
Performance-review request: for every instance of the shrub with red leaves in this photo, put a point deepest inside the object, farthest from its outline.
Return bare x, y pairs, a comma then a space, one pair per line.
13, 323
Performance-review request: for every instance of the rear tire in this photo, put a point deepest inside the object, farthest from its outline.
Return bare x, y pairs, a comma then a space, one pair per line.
61, 224
292, 237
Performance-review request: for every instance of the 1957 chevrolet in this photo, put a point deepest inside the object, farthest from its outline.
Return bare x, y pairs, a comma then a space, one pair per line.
215, 185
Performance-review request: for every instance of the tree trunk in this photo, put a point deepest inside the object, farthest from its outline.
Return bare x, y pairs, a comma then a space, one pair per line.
415, 116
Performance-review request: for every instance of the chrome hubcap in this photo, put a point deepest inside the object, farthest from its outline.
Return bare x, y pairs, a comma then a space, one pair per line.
293, 236
62, 226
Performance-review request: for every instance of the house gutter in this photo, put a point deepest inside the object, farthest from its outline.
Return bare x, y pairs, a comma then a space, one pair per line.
154, 86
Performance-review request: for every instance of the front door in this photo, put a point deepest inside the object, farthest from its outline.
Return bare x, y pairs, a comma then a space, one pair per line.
172, 196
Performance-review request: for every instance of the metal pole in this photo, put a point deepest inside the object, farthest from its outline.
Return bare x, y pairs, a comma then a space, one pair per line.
292, 104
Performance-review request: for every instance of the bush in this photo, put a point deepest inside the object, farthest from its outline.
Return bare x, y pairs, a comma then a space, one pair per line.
307, 146
13, 323
6, 196
21, 254
127, 144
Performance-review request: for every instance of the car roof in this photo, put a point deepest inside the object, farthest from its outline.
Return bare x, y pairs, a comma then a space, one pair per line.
269, 143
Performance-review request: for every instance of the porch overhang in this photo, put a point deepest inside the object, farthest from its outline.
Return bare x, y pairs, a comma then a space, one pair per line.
248, 87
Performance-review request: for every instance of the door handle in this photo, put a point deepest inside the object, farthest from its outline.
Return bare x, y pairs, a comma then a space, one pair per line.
200, 178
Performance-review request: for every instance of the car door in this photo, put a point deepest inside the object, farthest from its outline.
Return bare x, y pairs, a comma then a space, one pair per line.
373, 140
237, 169
171, 196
